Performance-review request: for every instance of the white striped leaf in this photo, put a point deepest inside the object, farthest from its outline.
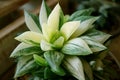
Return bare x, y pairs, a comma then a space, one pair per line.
32, 22
24, 64
94, 45
54, 60
24, 49
97, 35
76, 46
44, 13
84, 26
74, 65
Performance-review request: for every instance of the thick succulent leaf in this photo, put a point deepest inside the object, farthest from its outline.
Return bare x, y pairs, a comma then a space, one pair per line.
94, 45
53, 20
25, 50
74, 65
24, 65
76, 46
19, 47
54, 60
87, 69
44, 13
82, 18
59, 42
69, 28
45, 46
30, 37
85, 12
84, 26
40, 60
97, 35
32, 22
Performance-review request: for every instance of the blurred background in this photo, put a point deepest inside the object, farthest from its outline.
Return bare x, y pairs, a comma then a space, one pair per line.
12, 24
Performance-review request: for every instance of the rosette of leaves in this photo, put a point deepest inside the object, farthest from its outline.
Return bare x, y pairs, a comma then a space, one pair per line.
58, 46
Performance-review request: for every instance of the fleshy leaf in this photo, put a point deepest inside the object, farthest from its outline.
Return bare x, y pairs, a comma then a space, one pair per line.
24, 49
53, 20
32, 22
74, 65
30, 37
94, 45
76, 46
45, 46
85, 12
69, 28
59, 42
84, 26
82, 18
39, 60
44, 13
97, 35
24, 65
54, 60
87, 69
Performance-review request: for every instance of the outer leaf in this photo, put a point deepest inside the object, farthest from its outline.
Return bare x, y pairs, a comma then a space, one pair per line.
30, 37
84, 26
27, 51
76, 46
74, 65
85, 12
82, 18
54, 60
45, 46
94, 45
19, 47
87, 69
44, 13
97, 35
23, 66
39, 60
69, 28
32, 22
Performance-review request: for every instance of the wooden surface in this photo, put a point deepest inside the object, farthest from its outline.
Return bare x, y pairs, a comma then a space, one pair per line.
7, 6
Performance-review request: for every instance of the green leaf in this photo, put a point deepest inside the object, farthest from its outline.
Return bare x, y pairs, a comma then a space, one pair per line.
39, 60
74, 65
30, 37
82, 18
94, 45
76, 46
24, 65
69, 28
59, 42
84, 12
97, 35
48, 74
26, 50
45, 46
84, 26
32, 22
87, 69
19, 47
54, 60
44, 13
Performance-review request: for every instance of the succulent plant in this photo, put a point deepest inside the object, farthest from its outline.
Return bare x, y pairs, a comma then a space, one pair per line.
59, 45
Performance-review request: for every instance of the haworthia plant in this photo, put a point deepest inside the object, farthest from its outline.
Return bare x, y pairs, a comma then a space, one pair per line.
56, 43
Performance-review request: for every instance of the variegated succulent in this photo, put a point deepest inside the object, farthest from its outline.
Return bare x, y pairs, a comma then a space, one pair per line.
58, 44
